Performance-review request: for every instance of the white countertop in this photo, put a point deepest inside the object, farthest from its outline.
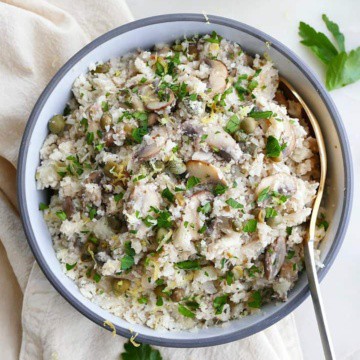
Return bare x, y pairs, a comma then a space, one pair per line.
280, 19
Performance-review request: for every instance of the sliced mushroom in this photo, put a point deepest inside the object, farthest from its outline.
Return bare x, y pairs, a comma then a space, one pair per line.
294, 109
152, 101
109, 138
68, 206
188, 230
219, 140
94, 177
136, 102
153, 146
206, 172
142, 198
283, 183
217, 77
290, 139
274, 257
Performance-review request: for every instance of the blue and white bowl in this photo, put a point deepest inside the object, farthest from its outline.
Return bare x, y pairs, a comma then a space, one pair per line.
146, 33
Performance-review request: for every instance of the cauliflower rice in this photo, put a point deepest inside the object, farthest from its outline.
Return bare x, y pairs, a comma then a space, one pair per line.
182, 179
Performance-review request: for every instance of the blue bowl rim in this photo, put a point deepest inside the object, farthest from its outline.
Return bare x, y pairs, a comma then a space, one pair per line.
348, 192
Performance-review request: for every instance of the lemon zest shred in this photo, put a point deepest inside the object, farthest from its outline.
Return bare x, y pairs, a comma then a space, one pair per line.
133, 337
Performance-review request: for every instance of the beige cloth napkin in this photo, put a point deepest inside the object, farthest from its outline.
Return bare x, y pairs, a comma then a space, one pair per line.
37, 37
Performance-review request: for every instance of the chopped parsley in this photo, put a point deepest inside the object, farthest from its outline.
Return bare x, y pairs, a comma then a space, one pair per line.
202, 229
185, 311
289, 230
234, 204
61, 215
273, 147
143, 300
188, 265
322, 223
159, 301
89, 138
260, 114
118, 197
214, 38
264, 194
233, 124
128, 259
220, 189
70, 266
167, 194
192, 182
97, 277
205, 209
255, 300
164, 219
270, 213
290, 254
252, 271
219, 303
104, 106
229, 278
43, 206
92, 213
250, 226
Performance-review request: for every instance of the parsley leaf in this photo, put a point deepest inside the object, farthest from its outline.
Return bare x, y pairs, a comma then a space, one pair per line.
260, 114
343, 70
334, 29
264, 194
234, 204
270, 213
164, 220
188, 265
142, 352
250, 226
273, 148
61, 215
70, 266
192, 182
318, 42
233, 124
214, 38
43, 206
185, 311
256, 300
220, 189
127, 262
167, 194
219, 303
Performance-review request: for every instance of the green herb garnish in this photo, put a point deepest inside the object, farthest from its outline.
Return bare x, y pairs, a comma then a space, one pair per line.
61, 215
70, 266
185, 311
234, 204
260, 114
273, 147
219, 303
256, 300
342, 68
188, 265
192, 182
220, 189
43, 206
233, 124
250, 226
141, 352
167, 194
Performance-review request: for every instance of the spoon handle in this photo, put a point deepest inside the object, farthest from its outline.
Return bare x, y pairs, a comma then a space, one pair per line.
317, 300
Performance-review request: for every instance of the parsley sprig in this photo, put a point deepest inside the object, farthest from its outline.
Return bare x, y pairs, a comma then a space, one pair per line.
342, 68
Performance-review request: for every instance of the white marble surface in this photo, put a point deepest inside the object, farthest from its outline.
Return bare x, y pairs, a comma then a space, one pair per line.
280, 18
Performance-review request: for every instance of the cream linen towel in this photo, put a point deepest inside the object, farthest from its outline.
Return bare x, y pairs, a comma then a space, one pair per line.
37, 37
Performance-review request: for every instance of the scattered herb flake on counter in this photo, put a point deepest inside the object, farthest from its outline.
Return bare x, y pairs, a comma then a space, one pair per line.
141, 352
342, 68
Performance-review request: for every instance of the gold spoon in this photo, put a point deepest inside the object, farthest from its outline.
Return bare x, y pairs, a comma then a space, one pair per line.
291, 93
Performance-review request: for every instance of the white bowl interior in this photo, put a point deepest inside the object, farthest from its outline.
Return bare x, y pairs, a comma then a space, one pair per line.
146, 37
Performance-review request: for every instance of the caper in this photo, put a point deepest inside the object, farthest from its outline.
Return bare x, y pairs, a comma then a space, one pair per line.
237, 225
110, 169
177, 294
120, 286
160, 234
114, 223
239, 136
159, 165
57, 124
176, 167
102, 68
105, 121
274, 221
248, 125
